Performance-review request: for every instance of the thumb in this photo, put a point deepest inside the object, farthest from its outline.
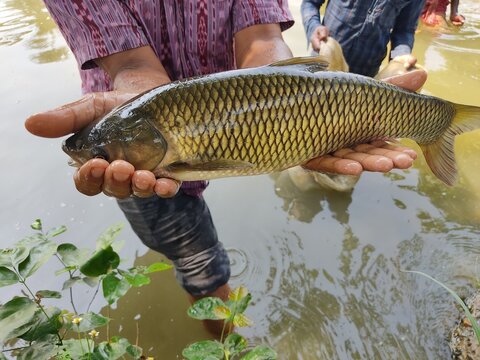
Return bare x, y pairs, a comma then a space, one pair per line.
72, 117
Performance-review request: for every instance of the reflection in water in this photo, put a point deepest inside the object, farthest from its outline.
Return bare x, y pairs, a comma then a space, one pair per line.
304, 205
29, 20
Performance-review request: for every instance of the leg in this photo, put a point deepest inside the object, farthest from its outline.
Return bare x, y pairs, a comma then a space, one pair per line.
182, 229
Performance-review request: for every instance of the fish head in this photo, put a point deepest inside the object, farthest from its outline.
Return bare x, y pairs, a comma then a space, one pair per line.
118, 136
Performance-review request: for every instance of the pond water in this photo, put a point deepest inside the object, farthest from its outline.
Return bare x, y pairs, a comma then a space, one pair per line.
324, 268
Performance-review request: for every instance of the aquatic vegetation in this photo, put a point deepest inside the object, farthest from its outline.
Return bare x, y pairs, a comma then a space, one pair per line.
38, 331
233, 345
473, 321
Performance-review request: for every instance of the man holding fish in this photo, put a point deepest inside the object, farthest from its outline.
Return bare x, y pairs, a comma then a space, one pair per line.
126, 48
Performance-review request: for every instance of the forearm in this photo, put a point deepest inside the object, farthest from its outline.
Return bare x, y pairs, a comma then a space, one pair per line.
134, 70
310, 10
403, 33
260, 45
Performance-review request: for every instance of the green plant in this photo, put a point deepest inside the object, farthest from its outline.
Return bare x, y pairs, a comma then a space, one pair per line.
468, 314
233, 345
40, 332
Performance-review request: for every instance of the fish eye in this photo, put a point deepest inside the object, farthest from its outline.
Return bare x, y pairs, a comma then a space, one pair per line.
100, 153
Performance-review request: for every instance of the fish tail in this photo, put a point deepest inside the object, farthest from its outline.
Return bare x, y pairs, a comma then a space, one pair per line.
440, 154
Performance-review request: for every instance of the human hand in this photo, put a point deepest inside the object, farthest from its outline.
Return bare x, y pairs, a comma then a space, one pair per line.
378, 156
118, 179
319, 34
407, 60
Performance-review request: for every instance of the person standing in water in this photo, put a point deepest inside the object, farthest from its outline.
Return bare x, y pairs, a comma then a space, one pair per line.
125, 48
435, 13
364, 29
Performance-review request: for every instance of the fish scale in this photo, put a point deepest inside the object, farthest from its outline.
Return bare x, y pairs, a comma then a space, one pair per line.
307, 116
265, 119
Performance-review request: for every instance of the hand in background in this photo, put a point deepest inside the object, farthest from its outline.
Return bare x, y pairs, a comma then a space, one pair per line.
319, 34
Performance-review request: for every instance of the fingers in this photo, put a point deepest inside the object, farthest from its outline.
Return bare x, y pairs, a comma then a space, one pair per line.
378, 157
383, 159
166, 188
120, 180
333, 164
319, 34
72, 117
89, 178
143, 183
403, 149
408, 60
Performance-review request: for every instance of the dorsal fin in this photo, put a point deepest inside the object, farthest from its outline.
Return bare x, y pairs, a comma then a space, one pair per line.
307, 63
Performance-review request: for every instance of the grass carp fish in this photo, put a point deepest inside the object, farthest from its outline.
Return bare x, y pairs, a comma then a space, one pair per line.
266, 119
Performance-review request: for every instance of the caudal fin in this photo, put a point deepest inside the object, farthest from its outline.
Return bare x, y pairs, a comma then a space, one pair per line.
440, 154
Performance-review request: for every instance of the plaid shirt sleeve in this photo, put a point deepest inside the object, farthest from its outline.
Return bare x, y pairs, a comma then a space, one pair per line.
95, 29
255, 12
403, 33
310, 10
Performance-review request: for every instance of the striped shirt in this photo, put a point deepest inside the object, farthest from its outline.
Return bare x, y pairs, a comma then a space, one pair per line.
190, 37
365, 27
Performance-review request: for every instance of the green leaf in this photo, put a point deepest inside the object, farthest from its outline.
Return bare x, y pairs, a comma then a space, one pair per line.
16, 317
204, 309
158, 266
261, 353
70, 282
56, 231
241, 320
89, 322
222, 312
106, 239
44, 349
101, 262
43, 326
10, 258
234, 344
71, 255
134, 351
91, 281
238, 293
115, 348
136, 280
7, 277
48, 294
37, 225
240, 305
65, 269
202, 350
39, 255
114, 288
76, 348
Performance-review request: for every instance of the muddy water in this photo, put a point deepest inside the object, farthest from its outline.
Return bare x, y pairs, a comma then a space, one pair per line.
324, 268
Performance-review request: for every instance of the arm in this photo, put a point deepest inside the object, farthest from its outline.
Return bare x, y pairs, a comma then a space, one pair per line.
315, 31
263, 44
403, 33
